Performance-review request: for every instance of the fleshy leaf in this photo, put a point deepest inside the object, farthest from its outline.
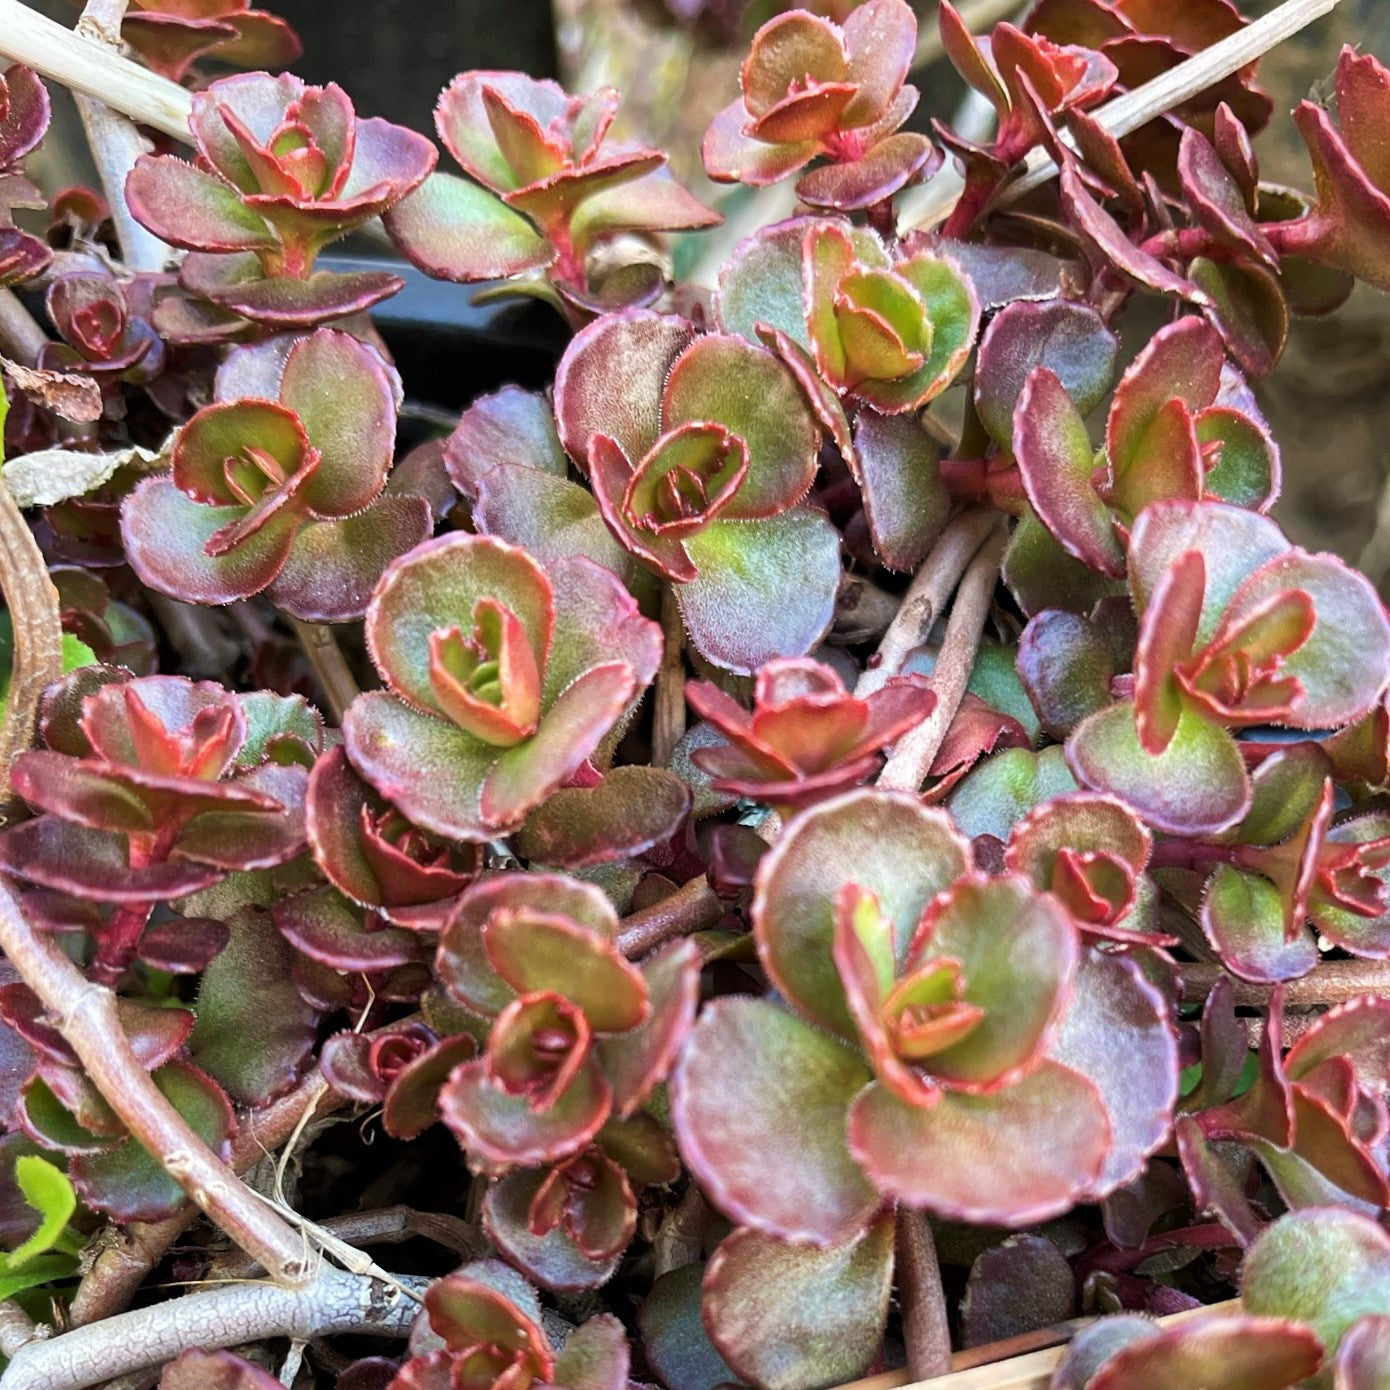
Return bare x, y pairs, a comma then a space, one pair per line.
1011, 1158
785, 1316
1198, 785
883, 843
764, 588
254, 1027
749, 1070
1071, 340
453, 229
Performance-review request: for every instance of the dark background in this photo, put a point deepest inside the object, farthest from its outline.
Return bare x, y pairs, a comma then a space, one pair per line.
394, 56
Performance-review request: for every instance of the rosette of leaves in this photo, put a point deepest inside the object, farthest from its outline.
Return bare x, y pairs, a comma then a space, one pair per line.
942, 1044
1293, 861
24, 114
171, 37
807, 737
810, 88
869, 336
282, 492
698, 448
577, 1035
567, 1224
149, 788
1091, 852
1313, 1117
1237, 628
547, 186
401, 1069
100, 335
1026, 78
481, 1328
503, 678
282, 170
371, 853
1182, 426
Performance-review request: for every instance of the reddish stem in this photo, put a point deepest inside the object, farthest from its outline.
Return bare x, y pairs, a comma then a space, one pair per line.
1192, 854
926, 1328
973, 480
690, 908
118, 941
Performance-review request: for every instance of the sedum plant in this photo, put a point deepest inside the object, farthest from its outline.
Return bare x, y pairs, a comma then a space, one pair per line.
835, 826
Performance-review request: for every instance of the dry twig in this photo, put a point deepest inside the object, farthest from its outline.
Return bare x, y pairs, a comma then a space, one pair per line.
911, 760
335, 1303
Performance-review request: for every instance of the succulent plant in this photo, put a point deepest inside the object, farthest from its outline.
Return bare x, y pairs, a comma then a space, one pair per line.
283, 169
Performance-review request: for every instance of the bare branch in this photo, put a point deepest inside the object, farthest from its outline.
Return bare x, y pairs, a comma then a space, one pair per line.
926, 596
66, 57
931, 204
340, 688
911, 760
85, 1014
335, 1303
38, 634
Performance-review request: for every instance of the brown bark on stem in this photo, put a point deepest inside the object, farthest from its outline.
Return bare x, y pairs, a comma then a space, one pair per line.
668, 707
926, 1331
689, 908
1332, 982
330, 666
38, 637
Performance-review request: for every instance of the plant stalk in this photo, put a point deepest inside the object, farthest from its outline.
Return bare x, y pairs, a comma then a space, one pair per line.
1331, 982
133, 1250
340, 688
926, 596
910, 763
20, 335
85, 1014
38, 638
689, 908
926, 1329
116, 144
668, 708
335, 1303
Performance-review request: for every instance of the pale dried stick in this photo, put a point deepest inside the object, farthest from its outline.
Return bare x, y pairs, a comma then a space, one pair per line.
115, 143
926, 596
911, 760
66, 57
335, 1303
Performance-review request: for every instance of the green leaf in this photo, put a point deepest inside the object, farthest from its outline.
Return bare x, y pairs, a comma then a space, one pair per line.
1003, 789
765, 588
786, 1315
46, 1189
455, 230
46, 1269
